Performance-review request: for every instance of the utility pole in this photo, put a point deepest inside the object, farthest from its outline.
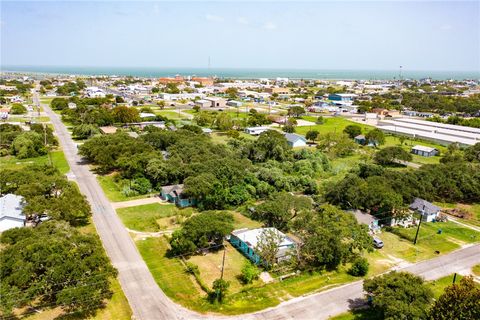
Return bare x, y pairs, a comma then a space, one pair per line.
418, 228
45, 143
223, 261
454, 278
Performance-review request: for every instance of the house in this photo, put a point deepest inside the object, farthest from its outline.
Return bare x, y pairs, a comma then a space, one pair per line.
202, 103
207, 82
360, 139
216, 102
11, 212
295, 140
233, 103
4, 113
174, 194
108, 129
428, 210
424, 151
246, 241
343, 97
255, 131
367, 219
278, 90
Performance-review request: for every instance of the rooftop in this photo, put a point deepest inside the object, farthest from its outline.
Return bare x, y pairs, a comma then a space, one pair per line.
251, 237
424, 206
11, 206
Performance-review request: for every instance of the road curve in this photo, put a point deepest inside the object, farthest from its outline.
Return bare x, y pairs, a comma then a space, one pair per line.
148, 301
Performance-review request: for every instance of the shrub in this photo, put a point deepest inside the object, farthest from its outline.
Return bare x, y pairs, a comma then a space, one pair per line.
359, 267
250, 272
18, 108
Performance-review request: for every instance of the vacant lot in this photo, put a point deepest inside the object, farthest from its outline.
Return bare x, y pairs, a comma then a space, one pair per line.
146, 217
58, 161
113, 189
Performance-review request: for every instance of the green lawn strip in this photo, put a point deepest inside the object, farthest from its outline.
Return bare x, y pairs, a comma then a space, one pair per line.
476, 270
438, 286
58, 160
334, 124
28, 118
171, 114
169, 273
145, 217
113, 190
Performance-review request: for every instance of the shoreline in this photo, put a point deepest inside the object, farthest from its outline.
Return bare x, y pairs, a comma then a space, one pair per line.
240, 74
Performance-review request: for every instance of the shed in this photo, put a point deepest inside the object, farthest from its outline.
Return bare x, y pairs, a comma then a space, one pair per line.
255, 131
424, 151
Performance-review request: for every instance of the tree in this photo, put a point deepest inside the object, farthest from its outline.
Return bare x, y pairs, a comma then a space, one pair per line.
399, 293
204, 118
232, 93
359, 267
220, 288
288, 128
296, 111
330, 237
119, 99
352, 130
18, 108
28, 145
161, 104
224, 122
59, 104
376, 137
204, 230
61, 266
85, 131
459, 301
312, 135
320, 120
472, 153
337, 144
281, 209
268, 246
250, 272
124, 114
391, 155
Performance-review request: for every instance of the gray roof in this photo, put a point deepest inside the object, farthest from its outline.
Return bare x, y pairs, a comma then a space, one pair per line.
360, 137
292, 137
363, 217
424, 206
174, 190
11, 206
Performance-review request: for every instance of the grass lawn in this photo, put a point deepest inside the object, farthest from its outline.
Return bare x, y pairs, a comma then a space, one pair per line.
391, 141
27, 118
171, 114
333, 124
146, 217
474, 209
58, 160
438, 286
113, 190
221, 137
476, 270
399, 243
182, 288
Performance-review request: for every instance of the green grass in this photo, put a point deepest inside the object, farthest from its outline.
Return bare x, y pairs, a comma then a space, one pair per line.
171, 114
145, 217
58, 160
334, 124
438, 286
28, 118
113, 189
476, 270
170, 276
391, 140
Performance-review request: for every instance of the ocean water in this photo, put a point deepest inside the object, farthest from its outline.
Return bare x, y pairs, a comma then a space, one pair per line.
249, 73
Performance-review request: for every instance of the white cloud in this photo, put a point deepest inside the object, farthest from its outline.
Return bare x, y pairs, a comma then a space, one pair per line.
242, 20
214, 18
269, 25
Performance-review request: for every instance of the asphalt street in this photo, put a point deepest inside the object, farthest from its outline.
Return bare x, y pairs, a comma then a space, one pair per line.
148, 301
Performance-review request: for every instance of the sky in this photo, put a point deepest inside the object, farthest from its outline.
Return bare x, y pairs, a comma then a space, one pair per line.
380, 35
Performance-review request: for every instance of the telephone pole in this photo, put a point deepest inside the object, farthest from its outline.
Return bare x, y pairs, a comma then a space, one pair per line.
419, 223
223, 260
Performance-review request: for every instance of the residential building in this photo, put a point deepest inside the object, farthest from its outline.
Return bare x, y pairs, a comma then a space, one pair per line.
424, 151
246, 241
344, 97
217, 102
174, 194
233, 103
11, 212
202, 103
255, 131
277, 90
360, 139
428, 210
368, 219
295, 140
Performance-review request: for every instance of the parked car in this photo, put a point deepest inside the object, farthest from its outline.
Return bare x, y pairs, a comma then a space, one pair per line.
377, 243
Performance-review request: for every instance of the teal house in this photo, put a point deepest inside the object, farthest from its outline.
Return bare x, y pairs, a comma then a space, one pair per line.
246, 241
175, 194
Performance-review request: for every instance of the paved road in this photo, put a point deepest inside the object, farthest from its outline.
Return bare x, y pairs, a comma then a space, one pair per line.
149, 302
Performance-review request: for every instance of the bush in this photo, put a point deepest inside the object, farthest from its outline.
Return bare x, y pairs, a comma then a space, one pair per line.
192, 268
18, 108
250, 272
320, 120
141, 185
359, 267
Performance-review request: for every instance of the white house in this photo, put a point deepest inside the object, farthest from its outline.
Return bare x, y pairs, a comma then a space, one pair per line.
11, 212
94, 92
428, 210
295, 140
255, 131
